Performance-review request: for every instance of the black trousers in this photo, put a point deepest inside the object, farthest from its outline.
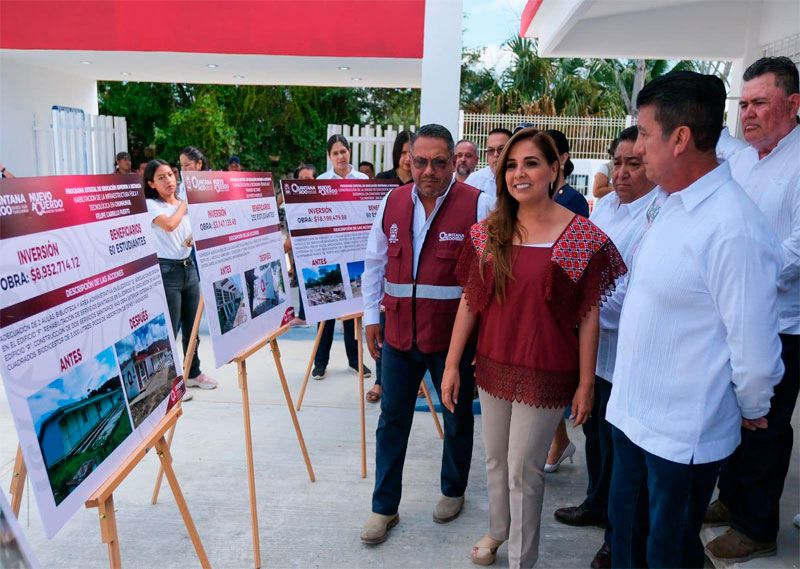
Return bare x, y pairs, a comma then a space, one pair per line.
751, 482
599, 453
326, 341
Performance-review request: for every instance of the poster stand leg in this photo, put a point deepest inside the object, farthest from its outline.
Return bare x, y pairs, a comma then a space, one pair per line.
241, 365
432, 408
18, 481
310, 365
360, 340
187, 362
103, 498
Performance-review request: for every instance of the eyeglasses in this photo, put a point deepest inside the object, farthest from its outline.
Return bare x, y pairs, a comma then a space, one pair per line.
436, 163
490, 151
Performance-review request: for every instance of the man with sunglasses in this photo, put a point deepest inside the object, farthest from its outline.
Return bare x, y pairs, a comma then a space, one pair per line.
410, 268
484, 178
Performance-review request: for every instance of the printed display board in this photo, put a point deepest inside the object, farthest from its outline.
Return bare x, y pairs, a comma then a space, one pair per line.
329, 223
89, 361
15, 553
235, 226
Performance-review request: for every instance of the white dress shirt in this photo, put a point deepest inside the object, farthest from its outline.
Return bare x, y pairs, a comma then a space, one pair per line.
378, 246
352, 174
484, 180
698, 337
624, 223
728, 145
774, 184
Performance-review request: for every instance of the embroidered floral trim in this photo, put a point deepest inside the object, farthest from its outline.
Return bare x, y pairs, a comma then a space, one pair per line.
538, 388
478, 288
574, 249
569, 300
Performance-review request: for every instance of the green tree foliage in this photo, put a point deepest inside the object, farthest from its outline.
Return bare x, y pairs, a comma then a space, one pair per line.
270, 128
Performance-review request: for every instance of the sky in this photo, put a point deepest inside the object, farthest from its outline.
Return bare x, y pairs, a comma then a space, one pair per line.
489, 23
142, 337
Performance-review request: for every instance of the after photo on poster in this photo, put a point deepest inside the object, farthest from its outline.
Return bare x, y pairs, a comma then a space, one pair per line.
80, 418
147, 366
265, 287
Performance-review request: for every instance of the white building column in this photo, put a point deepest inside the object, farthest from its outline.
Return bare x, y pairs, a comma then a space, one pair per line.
28, 91
441, 64
751, 51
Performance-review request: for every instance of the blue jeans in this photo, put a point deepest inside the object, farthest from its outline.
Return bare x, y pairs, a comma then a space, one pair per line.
599, 453
402, 373
656, 508
326, 341
378, 365
182, 287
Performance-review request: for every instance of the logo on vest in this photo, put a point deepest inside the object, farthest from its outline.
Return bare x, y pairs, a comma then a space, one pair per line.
444, 236
393, 233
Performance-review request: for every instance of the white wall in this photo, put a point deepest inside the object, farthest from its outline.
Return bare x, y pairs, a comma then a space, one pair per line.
441, 64
26, 90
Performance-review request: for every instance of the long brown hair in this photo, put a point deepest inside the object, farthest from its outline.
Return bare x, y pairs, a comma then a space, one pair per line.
501, 225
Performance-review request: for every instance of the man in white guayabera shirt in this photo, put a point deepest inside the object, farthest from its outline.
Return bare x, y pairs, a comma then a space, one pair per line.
751, 482
622, 215
698, 352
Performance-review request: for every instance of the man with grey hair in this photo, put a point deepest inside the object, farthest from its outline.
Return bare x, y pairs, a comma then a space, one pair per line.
751, 483
410, 267
466, 159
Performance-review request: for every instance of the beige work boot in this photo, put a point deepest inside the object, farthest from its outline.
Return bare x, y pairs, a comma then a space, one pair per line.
718, 514
447, 509
735, 547
377, 527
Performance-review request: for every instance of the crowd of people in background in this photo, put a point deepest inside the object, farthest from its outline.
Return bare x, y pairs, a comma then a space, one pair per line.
666, 323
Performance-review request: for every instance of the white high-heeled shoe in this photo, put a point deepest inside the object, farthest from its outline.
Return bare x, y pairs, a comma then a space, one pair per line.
567, 454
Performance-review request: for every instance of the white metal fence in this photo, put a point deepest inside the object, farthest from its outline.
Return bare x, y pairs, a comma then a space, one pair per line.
371, 143
73, 142
589, 137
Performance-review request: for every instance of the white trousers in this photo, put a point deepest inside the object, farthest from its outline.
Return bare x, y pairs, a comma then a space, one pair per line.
517, 439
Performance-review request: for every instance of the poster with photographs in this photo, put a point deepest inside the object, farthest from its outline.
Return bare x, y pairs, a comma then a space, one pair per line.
329, 223
15, 552
243, 276
88, 360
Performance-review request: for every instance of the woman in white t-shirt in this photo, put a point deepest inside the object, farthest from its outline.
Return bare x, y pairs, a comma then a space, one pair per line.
339, 154
173, 241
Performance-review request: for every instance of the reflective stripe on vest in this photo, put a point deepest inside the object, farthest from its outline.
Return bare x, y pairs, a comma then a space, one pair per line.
433, 292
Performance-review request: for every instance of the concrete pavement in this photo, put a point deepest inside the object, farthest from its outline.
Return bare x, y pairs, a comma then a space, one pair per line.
302, 524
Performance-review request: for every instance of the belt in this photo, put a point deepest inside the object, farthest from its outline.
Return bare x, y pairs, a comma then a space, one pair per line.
187, 262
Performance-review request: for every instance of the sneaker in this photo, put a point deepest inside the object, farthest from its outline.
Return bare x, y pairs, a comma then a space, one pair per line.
187, 396
367, 372
319, 372
202, 381
298, 323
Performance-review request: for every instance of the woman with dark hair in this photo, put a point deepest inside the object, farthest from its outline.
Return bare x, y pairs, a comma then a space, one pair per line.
519, 273
339, 155
173, 242
401, 160
193, 159
565, 194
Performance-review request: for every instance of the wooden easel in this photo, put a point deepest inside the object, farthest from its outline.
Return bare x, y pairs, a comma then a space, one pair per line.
357, 320
103, 498
241, 365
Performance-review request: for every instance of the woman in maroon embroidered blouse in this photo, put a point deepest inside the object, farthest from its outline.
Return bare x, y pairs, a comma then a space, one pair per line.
533, 276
